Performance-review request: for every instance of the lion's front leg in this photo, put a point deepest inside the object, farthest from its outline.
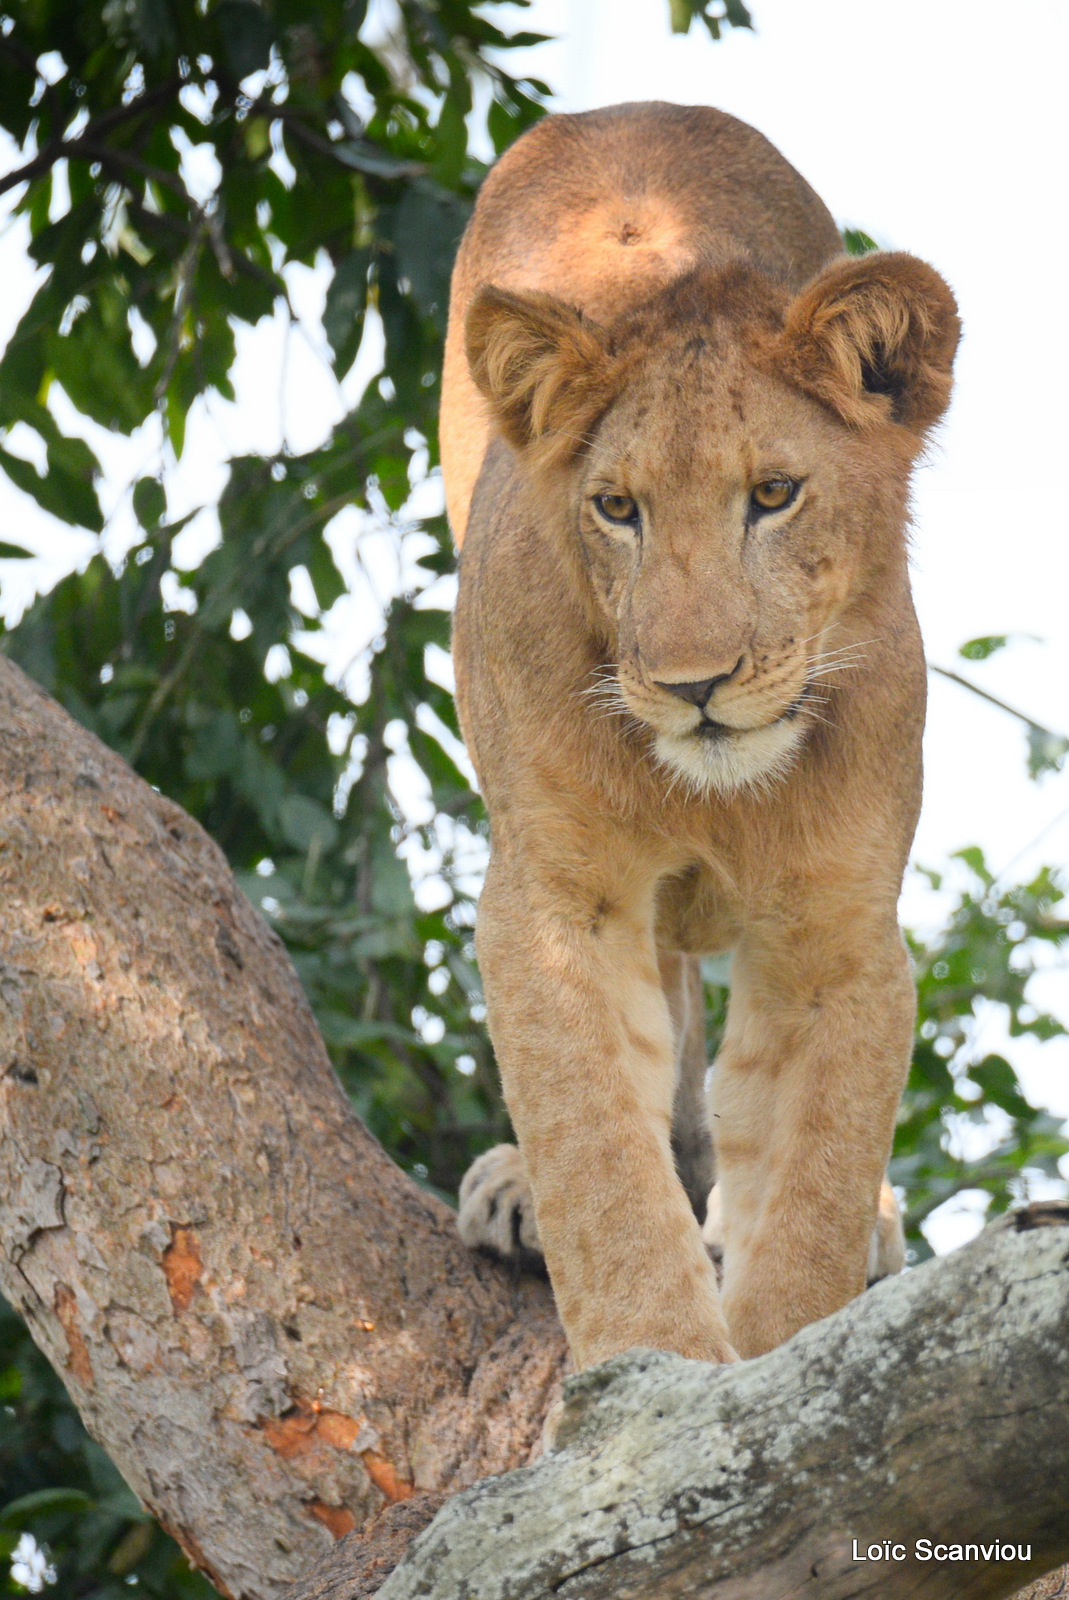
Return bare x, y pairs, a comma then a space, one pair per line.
806, 1088
497, 1211
581, 1028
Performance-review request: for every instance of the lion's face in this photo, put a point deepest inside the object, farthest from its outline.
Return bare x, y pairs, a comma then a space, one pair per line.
723, 517
735, 467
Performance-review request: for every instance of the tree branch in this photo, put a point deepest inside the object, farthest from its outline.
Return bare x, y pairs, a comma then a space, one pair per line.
993, 699
932, 1408
85, 142
271, 1329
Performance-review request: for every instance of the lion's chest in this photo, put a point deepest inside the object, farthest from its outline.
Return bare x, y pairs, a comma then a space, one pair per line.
697, 913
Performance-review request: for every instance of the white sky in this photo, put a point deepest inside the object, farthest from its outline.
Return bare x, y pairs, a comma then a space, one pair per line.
938, 126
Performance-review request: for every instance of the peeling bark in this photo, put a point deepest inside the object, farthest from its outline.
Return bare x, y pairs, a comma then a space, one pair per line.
279, 1338
271, 1329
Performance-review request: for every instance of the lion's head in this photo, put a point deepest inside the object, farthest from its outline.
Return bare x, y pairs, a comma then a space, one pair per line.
733, 463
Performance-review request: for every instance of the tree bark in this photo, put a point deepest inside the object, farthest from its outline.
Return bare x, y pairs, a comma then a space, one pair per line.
934, 1407
279, 1338
269, 1327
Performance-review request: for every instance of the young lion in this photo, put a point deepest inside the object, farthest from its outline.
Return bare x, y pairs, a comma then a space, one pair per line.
677, 429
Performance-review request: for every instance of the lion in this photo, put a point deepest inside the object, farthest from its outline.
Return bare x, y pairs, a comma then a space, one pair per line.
678, 427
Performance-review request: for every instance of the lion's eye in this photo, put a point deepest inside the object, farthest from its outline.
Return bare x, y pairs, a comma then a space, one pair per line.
773, 494
617, 508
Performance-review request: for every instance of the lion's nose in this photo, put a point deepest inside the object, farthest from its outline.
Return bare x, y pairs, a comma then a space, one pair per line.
698, 694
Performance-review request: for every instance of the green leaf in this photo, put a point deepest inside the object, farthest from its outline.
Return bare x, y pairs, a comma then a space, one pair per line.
391, 893
343, 314
405, 362
426, 228
247, 36
997, 1079
153, 26
452, 132
502, 126
65, 495
338, 1029
857, 242
388, 940
327, 581
973, 858
39, 201
19, 1512
150, 503
305, 822
980, 649
363, 156
95, 362
215, 751
14, 552
176, 409
1046, 750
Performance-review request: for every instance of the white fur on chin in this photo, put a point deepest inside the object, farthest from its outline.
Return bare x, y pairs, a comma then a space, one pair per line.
751, 758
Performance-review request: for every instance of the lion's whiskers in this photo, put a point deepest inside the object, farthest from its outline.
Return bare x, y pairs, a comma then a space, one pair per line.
844, 658
812, 715
606, 700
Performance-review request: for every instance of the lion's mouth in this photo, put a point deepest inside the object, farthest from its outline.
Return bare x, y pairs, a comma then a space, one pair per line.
710, 731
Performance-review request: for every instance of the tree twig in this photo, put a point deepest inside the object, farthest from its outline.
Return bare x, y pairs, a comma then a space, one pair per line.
60, 149
974, 688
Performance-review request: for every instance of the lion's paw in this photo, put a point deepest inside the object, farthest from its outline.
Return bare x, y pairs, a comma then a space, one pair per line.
497, 1207
887, 1247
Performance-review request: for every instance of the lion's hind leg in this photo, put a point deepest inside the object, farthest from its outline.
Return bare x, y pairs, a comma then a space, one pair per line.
692, 1145
887, 1247
497, 1207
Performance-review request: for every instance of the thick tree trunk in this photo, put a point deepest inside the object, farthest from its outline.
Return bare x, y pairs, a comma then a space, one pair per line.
935, 1408
272, 1330
279, 1337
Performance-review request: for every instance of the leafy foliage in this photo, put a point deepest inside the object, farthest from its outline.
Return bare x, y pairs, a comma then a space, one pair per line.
269, 97
311, 831
982, 958
728, 13
123, 105
324, 142
966, 1122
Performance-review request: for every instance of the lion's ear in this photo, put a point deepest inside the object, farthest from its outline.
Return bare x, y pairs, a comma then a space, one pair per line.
874, 338
546, 371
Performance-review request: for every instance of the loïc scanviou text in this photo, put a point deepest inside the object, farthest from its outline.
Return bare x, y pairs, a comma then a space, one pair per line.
933, 1550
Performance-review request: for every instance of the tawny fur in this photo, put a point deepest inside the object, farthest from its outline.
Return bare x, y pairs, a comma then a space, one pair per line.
649, 302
